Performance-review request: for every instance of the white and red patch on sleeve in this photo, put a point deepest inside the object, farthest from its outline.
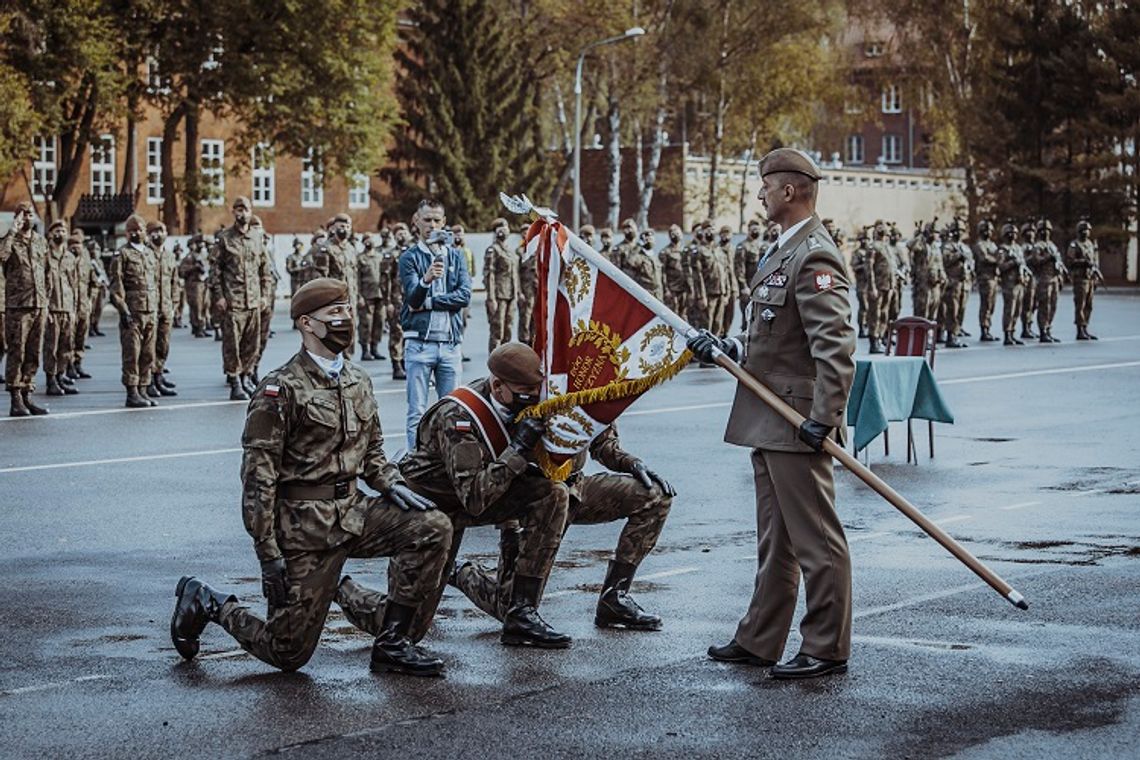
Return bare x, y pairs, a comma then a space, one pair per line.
272, 391
463, 426
824, 281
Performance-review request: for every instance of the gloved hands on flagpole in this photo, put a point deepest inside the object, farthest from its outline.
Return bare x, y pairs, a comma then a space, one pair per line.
704, 344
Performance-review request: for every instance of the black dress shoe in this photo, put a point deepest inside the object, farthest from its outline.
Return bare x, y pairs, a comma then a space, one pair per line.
806, 666
733, 652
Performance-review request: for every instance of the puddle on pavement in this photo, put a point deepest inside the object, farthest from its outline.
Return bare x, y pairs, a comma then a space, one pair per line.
994, 440
1072, 553
1113, 480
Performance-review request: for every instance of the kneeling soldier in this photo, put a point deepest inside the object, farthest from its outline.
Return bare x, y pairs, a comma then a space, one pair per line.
311, 430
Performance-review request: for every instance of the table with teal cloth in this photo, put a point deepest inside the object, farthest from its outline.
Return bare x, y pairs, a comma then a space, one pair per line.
891, 389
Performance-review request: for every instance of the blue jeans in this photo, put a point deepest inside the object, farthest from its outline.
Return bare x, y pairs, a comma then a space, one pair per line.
421, 358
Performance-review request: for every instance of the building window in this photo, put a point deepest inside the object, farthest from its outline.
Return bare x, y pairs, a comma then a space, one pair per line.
154, 170
855, 149
892, 99
873, 50
103, 165
264, 175
213, 172
312, 183
892, 149
43, 167
358, 191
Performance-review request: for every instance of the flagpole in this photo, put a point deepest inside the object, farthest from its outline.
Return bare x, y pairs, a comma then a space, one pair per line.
794, 418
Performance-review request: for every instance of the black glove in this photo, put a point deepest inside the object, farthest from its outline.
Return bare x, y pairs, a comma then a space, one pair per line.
407, 499
648, 478
527, 434
704, 344
814, 433
125, 320
275, 582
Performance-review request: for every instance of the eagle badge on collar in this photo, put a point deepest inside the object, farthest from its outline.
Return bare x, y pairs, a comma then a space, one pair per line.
824, 281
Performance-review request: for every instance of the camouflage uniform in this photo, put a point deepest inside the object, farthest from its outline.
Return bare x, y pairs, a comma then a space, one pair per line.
745, 259
24, 262
88, 282
59, 332
166, 274
134, 293
100, 290
179, 293
392, 293
901, 257
641, 265
986, 266
698, 312
337, 259
1083, 260
1050, 267
928, 274
501, 278
956, 260
370, 319
240, 275
884, 276
1014, 275
308, 438
861, 259
194, 270
715, 284
677, 277
528, 292
1029, 299
297, 267
594, 500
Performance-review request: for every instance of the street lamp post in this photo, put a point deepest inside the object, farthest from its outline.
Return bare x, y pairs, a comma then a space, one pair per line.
630, 34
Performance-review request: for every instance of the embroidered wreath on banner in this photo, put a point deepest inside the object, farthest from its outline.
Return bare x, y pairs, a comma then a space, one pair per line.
606, 341
662, 333
553, 431
576, 279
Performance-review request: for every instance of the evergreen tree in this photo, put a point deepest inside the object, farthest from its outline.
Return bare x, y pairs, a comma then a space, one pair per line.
469, 101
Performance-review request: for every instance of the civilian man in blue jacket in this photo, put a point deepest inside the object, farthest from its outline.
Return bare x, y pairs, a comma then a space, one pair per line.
437, 288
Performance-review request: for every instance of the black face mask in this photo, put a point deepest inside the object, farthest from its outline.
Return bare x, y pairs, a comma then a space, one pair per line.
500, 234
342, 234
135, 237
338, 333
754, 234
521, 401
57, 238
674, 238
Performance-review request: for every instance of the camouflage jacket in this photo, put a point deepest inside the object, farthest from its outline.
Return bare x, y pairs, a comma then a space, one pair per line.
134, 280
1045, 260
194, 267
986, 259
238, 271
643, 269
390, 289
678, 278
304, 428
24, 263
712, 274
926, 263
745, 260
167, 277
1082, 259
368, 265
622, 251
528, 275
957, 260
62, 279
1011, 257
501, 273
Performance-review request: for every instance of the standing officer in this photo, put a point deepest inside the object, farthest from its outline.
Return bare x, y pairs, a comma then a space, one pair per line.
166, 274
134, 293
88, 283
296, 267
986, 267
698, 305
393, 293
1083, 260
641, 265
955, 258
23, 257
240, 282
1046, 259
744, 261
677, 279
933, 273
1014, 274
194, 269
884, 276
1029, 299
800, 343
371, 303
269, 299
528, 289
501, 278
62, 282
311, 431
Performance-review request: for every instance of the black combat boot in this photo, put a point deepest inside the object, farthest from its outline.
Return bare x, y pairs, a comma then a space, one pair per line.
71, 373
237, 392
954, 342
375, 348
523, 626
34, 408
616, 608
81, 373
398, 372
162, 387
18, 408
1016, 341
366, 354
53, 387
988, 337
1008, 339
876, 346
249, 384
1027, 332
165, 382
67, 385
393, 651
134, 400
196, 605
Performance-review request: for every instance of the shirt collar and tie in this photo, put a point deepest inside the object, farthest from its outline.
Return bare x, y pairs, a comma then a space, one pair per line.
784, 237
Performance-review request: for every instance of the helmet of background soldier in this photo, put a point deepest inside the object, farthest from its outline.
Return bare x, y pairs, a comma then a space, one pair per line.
894, 233
1084, 224
1008, 227
587, 229
1043, 225
1028, 228
985, 226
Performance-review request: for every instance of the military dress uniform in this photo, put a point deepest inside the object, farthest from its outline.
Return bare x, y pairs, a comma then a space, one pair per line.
239, 275
677, 277
1045, 259
59, 332
24, 261
134, 294
501, 278
986, 268
1083, 261
745, 259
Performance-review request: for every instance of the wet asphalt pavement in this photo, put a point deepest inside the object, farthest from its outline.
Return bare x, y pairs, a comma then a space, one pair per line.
104, 509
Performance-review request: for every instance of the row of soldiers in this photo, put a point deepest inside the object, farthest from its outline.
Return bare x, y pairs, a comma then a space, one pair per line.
1025, 266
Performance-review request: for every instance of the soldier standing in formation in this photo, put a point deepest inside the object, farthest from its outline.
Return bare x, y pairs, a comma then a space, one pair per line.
628, 245
861, 259
744, 261
194, 269
166, 275
900, 255
641, 265
311, 431
606, 236
955, 260
928, 272
715, 289
23, 257
240, 282
296, 267
179, 293
676, 277
986, 264
393, 294
1014, 275
1029, 298
501, 278
371, 301
88, 285
587, 234
883, 279
1083, 261
62, 283
134, 294
528, 289
1046, 259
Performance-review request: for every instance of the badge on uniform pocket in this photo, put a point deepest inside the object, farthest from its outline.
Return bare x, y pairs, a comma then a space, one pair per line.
767, 315
762, 292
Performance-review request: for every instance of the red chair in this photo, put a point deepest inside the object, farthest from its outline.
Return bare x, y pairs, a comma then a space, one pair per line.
913, 336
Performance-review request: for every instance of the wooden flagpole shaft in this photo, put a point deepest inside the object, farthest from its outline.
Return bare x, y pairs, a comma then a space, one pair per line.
877, 484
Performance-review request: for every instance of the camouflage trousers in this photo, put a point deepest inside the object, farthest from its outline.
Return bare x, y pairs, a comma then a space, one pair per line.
1083, 289
395, 333
526, 319
1028, 303
241, 341
370, 322
196, 298
137, 341
24, 336
597, 499
162, 331
1048, 291
97, 300
265, 326
987, 293
720, 314
59, 337
500, 314
417, 543
677, 301
952, 307
82, 324
1012, 302
539, 505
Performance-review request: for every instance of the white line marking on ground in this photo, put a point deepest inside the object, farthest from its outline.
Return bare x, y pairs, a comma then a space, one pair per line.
955, 518
934, 596
867, 536
1037, 372
1090, 492
53, 685
222, 655
649, 577
148, 457
1021, 505
667, 409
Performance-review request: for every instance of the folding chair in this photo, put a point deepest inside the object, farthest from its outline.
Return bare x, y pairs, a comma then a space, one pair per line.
913, 336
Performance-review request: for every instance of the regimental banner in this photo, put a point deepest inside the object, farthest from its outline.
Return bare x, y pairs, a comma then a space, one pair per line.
601, 345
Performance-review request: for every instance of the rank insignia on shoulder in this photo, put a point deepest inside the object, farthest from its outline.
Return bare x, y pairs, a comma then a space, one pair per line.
776, 280
823, 281
812, 243
272, 391
463, 426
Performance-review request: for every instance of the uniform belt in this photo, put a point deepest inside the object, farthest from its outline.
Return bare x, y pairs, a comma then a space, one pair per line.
302, 492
